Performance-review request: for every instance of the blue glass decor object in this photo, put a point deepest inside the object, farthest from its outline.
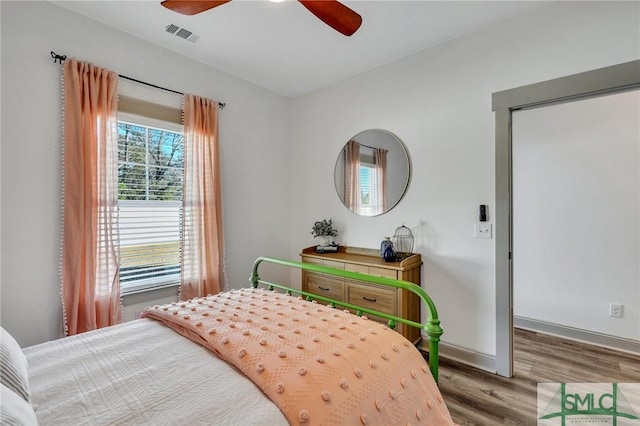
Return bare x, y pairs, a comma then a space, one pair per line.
384, 244
386, 250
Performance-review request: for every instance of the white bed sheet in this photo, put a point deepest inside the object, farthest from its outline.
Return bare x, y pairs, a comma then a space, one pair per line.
141, 373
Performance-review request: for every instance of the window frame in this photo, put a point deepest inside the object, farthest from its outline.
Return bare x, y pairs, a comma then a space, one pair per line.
374, 207
153, 283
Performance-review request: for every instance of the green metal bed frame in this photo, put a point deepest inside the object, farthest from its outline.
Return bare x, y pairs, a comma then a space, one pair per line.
431, 327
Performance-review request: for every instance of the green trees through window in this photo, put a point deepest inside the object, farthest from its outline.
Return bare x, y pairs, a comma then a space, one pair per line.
150, 163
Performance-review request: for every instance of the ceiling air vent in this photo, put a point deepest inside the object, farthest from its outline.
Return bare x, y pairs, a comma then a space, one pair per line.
182, 33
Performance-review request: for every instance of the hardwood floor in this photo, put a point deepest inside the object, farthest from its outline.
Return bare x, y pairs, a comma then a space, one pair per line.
475, 397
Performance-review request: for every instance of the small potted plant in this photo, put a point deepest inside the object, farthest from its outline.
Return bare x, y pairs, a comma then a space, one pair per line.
324, 231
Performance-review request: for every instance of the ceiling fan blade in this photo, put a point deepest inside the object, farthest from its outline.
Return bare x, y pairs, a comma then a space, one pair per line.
335, 14
192, 7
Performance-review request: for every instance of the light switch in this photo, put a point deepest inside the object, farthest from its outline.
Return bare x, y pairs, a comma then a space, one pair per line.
482, 230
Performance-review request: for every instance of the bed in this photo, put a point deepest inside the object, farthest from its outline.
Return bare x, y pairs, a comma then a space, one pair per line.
264, 355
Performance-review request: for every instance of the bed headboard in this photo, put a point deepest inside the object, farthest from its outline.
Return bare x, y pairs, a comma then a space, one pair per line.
432, 327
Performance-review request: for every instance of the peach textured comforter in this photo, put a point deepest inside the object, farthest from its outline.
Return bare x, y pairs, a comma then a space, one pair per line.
320, 366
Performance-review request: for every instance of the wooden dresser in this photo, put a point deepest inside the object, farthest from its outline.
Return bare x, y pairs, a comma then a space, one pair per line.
397, 302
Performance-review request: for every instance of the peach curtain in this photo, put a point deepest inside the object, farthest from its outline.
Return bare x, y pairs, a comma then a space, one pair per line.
380, 159
202, 271
90, 249
352, 176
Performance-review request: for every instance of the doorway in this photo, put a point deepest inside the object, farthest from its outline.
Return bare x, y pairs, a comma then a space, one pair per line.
606, 81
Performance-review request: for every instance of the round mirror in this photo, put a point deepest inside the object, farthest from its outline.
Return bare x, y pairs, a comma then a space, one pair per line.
372, 172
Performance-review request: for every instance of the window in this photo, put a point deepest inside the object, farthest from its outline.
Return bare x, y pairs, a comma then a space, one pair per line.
150, 174
369, 194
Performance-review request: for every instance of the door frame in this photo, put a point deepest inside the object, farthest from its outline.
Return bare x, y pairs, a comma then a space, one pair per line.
604, 81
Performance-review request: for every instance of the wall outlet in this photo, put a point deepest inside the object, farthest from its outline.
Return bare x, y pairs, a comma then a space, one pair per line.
616, 310
482, 230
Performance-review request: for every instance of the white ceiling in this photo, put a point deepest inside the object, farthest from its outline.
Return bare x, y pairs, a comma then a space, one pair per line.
284, 48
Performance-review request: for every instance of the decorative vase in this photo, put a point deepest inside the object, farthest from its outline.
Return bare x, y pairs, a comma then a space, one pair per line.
324, 240
386, 250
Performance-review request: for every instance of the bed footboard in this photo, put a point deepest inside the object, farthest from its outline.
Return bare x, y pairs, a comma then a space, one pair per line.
432, 327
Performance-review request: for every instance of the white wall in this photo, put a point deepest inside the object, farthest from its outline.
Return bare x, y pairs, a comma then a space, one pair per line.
439, 103
576, 214
0, 175
253, 138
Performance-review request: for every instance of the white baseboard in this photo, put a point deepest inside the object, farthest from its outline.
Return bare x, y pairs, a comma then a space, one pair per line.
486, 362
586, 336
463, 355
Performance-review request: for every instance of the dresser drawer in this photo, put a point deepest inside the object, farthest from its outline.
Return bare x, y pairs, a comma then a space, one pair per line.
352, 267
312, 260
322, 285
371, 270
382, 272
378, 298
333, 264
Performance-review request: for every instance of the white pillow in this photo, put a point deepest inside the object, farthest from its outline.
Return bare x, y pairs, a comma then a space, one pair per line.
13, 366
15, 411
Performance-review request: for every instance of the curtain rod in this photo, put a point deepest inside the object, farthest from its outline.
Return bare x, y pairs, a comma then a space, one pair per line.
366, 146
61, 58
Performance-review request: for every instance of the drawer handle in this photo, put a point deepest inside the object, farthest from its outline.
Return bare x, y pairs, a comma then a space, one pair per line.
369, 300
323, 288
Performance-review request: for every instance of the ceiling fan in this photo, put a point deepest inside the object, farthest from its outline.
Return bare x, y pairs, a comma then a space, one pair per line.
331, 12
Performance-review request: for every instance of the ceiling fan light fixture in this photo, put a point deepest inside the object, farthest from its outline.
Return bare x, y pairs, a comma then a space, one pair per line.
333, 13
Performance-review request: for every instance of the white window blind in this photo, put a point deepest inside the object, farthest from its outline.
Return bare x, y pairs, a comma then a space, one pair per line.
369, 198
150, 174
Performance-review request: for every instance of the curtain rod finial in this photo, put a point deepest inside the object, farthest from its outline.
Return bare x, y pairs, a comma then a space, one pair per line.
56, 57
